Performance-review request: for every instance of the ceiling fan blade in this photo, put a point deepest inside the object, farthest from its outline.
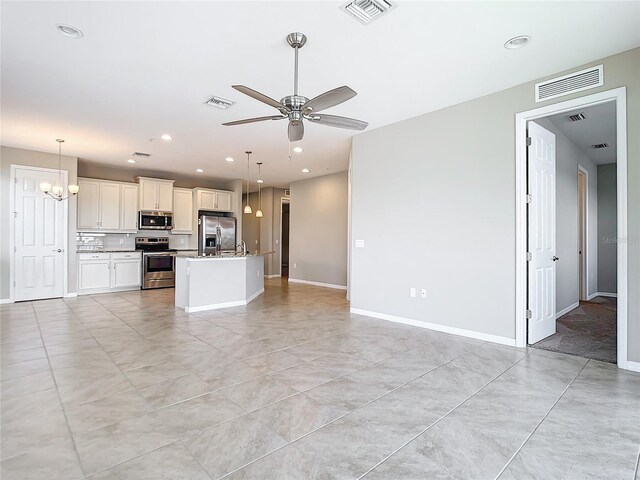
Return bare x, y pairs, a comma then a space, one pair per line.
251, 120
258, 96
335, 121
296, 131
329, 99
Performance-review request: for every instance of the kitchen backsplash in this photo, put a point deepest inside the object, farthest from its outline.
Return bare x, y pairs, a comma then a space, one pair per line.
100, 241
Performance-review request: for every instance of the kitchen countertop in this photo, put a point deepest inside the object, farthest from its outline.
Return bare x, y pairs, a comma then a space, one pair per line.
107, 250
225, 256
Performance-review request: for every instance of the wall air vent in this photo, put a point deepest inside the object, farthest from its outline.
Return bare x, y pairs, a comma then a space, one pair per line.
577, 117
287, 193
600, 145
219, 102
141, 154
572, 83
365, 11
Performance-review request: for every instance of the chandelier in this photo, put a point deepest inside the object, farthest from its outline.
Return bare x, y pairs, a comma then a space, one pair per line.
56, 191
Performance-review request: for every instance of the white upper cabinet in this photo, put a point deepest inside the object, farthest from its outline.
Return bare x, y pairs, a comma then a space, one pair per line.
129, 208
156, 194
107, 206
217, 200
182, 211
88, 204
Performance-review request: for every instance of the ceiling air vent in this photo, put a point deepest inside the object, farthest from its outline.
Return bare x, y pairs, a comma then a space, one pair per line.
219, 102
365, 11
577, 117
574, 82
600, 145
141, 154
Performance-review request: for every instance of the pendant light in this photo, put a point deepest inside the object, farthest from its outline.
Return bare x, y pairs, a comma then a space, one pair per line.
58, 188
247, 207
259, 211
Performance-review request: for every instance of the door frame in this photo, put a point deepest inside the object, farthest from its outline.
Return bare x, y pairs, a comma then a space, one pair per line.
12, 228
283, 200
583, 207
619, 96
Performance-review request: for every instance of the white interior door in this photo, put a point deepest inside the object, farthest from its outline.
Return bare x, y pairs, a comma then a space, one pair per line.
541, 157
40, 224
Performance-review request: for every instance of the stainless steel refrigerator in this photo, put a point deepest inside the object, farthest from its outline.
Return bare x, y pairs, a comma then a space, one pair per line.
215, 234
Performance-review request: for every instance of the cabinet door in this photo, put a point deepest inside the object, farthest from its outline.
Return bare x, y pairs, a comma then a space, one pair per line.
207, 200
182, 211
88, 201
148, 195
93, 274
129, 208
165, 196
125, 273
109, 206
223, 202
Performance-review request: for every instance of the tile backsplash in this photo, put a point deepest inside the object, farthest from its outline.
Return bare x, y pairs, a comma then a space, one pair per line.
99, 241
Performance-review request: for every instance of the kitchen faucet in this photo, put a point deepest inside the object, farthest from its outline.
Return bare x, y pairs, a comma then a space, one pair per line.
242, 244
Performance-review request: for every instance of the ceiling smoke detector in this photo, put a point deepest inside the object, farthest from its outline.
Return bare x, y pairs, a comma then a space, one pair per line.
600, 145
219, 102
577, 117
366, 11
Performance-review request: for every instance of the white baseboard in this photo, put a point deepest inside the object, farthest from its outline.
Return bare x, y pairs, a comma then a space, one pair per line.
629, 365
217, 306
71, 295
567, 310
272, 276
318, 284
5, 300
602, 294
98, 291
511, 342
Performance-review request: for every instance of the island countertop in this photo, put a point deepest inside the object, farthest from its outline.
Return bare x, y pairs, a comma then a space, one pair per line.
223, 256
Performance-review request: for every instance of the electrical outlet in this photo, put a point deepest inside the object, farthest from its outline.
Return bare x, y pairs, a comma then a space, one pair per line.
423, 293
122, 241
412, 292
258, 273
182, 241
295, 265
256, 242
277, 242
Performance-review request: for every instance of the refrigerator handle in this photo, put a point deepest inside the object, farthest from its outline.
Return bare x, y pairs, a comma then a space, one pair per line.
219, 244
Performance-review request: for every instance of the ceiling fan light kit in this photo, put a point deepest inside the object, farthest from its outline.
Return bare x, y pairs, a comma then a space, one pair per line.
297, 108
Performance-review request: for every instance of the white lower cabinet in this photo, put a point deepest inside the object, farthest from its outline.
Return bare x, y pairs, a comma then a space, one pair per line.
105, 272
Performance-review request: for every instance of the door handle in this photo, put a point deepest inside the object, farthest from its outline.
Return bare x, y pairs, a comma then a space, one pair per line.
555, 259
59, 250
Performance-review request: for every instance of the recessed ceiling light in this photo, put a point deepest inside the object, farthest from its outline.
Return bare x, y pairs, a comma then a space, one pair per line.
298, 149
517, 42
69, 31
166, 137
305, 170
199, 170
229, 159
131, 161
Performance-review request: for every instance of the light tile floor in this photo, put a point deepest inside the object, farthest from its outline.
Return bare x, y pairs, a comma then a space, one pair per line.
125, 386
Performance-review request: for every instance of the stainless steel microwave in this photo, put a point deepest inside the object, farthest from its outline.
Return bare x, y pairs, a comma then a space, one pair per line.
150, 220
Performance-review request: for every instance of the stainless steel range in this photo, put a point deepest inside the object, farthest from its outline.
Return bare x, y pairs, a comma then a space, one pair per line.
158, 262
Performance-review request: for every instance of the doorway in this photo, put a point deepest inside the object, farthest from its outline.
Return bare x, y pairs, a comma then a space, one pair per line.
284, 235
38, 237
569, 309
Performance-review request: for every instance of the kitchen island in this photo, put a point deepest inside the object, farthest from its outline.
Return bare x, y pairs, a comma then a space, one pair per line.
220, 281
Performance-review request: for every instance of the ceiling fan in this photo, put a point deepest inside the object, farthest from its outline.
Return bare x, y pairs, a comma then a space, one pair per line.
297, 108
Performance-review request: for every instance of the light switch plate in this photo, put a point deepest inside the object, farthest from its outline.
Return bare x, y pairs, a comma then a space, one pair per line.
359, 243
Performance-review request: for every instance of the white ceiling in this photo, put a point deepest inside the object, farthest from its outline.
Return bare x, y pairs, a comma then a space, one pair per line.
145, 68
598, 127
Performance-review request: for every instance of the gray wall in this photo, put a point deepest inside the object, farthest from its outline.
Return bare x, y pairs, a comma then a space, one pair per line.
318, 229
433, 198
18, 156
568, 157
607, 229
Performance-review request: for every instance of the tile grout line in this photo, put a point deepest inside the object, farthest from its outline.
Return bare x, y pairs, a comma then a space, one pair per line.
440, 419
55, 383
541, 421
635, 474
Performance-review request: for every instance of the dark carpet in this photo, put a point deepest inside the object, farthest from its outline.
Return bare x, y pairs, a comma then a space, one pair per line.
588, 331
